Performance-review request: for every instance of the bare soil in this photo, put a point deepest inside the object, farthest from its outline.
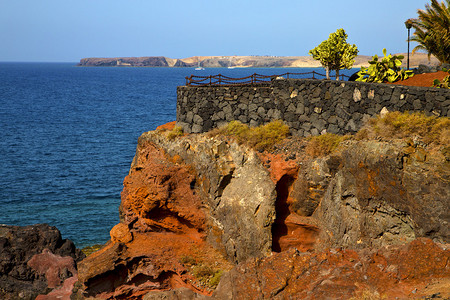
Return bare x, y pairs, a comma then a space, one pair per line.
425, 79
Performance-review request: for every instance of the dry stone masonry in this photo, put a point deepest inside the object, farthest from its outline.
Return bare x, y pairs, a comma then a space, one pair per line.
308, 106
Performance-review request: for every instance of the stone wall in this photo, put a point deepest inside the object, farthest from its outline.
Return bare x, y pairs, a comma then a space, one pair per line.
308, 106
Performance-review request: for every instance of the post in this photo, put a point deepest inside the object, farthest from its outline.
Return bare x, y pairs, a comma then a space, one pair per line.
407, 67
408, 25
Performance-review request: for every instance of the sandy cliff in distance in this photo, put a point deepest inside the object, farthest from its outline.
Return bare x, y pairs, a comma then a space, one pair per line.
369, 221
236, 61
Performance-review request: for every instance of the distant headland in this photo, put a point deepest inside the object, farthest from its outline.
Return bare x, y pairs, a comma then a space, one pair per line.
235, 61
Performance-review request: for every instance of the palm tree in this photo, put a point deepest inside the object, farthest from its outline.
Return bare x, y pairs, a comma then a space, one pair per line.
432, 30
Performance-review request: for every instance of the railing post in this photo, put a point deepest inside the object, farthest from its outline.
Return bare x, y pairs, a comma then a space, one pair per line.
210, 79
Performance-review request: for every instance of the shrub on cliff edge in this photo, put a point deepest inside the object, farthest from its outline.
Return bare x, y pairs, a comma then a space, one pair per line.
260, 138
324, 144
430, 129
175, 132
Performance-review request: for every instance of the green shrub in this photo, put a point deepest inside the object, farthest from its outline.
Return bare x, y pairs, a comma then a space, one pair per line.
324, 144
237, 129
430, 129
202, 271
388, 69
260, 138
175, 132
214, 281
207, 275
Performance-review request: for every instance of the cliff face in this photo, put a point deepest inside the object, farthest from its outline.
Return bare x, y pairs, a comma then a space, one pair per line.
236, 61
151, 61
195, 206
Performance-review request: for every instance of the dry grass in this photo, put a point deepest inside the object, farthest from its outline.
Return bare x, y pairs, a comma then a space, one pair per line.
260, 138
429, 129
325, 144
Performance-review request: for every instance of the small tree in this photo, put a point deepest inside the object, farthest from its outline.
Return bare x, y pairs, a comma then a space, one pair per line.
335, 53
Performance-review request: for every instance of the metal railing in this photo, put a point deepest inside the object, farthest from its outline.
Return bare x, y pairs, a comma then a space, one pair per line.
253, 79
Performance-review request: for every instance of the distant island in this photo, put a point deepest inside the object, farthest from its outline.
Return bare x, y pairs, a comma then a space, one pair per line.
235, 61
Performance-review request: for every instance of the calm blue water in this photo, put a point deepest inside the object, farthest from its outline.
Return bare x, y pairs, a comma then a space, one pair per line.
69, 134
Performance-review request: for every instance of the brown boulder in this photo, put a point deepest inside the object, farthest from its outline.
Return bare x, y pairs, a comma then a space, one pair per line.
121, 234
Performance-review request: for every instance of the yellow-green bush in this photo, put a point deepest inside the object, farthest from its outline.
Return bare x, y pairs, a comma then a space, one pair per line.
261, 138
214, 281
429, 129
175, 132
324, 144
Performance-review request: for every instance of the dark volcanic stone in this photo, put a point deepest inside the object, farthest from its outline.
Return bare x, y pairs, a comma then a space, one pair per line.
17, 246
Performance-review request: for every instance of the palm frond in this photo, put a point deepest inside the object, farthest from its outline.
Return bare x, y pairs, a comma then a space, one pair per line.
432, 30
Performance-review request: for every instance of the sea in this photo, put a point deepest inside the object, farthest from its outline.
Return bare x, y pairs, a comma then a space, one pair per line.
69, 134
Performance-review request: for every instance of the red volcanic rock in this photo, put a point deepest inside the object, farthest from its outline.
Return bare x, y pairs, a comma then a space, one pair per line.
157, 195
279, 166
411, 271
167, 126
163, 224
62, 292
52, 266
289, 229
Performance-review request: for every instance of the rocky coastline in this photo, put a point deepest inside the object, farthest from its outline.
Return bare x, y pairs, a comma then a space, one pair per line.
234, 61
203, 217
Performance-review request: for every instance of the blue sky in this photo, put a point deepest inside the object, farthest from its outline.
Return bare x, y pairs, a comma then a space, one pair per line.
68, 30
